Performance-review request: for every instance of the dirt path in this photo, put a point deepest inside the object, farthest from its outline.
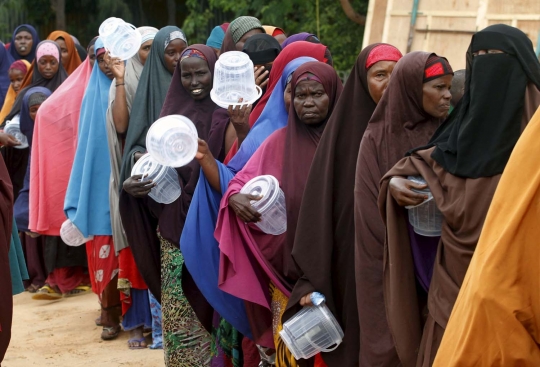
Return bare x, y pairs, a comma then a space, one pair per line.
62, 333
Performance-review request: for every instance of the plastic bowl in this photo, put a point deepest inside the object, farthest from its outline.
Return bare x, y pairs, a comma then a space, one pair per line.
13, 128
426, 219
71, 235
120, 38
167, 188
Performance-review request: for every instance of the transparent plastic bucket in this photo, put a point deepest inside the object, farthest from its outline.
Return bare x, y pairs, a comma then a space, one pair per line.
14, 128
426, 219
167, 187
120, 38
234, 78
172, 141
71, 235
312, 330
271, 206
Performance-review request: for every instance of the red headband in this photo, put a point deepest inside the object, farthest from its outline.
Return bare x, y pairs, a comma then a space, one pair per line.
383, 53
19, 65
436, 67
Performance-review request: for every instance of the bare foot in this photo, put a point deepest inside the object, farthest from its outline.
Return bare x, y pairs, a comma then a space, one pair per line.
137, 339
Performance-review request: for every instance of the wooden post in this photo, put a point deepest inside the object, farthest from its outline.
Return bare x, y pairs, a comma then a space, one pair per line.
59, 7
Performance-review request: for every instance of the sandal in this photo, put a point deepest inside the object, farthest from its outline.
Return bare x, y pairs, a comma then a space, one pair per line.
98, 321
110, 332
139, 341
47, 293
79, 290
32, 288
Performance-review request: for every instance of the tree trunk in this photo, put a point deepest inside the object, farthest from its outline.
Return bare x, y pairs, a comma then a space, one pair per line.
351, 13
171, 9
59, 7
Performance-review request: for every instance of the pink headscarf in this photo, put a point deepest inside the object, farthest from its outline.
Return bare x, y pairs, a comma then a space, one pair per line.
47, 49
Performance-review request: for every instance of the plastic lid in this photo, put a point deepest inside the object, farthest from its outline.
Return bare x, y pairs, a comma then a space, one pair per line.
14, 129
235, 60
109, 26
226, 104
126, 46
267, 186
148, 167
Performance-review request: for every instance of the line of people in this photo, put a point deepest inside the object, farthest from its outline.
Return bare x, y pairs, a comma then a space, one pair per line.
199, 274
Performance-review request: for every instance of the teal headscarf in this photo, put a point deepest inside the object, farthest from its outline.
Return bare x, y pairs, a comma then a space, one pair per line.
151, 92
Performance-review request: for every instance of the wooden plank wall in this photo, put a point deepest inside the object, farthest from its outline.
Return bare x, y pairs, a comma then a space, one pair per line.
446, 26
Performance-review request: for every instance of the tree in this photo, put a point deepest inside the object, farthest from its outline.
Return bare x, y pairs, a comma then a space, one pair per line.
59, 7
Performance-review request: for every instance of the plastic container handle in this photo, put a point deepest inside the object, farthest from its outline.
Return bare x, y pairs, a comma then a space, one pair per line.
331, 349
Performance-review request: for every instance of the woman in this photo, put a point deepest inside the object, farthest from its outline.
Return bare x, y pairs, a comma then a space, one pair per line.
23, 43
215, 40
394, 128
86, 203
185, 338
17, 72
462, 167
33, 245
134, 292
319, 52
70, 56
239, 31
286, 155
327, 223
53, 150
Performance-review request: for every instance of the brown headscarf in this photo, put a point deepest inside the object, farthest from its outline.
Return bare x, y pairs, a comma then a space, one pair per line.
325, 223
399, 124
74, 60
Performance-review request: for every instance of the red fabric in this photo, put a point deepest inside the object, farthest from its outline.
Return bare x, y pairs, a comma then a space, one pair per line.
289, 53
128, 270
436, 67
383, 53
319, 361
102, 262
277, 32
19, 65
251, 353
225, 26
67, 278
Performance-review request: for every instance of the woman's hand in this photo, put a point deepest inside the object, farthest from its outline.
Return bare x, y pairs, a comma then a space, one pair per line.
400, 188
116, 65
137, 156
203, 151
306, 300
239, 116
261, 76
8, 140
241, 204
138, 188
32, 234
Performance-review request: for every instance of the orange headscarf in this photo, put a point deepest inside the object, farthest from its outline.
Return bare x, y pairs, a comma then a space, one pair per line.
11, 95
73, 59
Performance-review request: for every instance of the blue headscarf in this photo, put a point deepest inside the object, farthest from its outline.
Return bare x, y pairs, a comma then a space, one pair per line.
5, 62
197, 241
21, 208
87, 197
216, 37
35, 40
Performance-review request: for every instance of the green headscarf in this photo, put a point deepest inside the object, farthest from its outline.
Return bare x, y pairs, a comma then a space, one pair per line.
151, 92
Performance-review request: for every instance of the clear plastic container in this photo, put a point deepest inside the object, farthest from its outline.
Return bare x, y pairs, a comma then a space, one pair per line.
425, 218
167, 187
120, 38
172, 141
271, 206
14, 128
234, 78
312, 330
71, 235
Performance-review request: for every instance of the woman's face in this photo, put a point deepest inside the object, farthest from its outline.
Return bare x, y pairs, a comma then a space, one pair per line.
64, 50
287, 96
378, 77
33, 111
311, 102
92, 55
48, 66
436, 96
144, 50
490, 51
104, 67
240, 43
23, 43
16, 77
172, 54
196, 77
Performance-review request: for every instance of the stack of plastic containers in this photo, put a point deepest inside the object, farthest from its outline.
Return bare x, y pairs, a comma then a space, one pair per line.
165, 178
14, 128
71, 235
120, 38
271, 206
172, 141
312, 330
425, 218
234, 78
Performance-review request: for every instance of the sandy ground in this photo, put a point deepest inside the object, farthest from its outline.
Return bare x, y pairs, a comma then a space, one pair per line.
62, 333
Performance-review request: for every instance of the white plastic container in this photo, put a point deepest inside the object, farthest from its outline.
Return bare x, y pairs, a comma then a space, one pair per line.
426, 219
172, 141
312, 330
167, 188
120, 38
71, 235
234, 78
271, 206
14, 128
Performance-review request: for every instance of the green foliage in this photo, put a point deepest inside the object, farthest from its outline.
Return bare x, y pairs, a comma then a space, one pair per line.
341, 35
